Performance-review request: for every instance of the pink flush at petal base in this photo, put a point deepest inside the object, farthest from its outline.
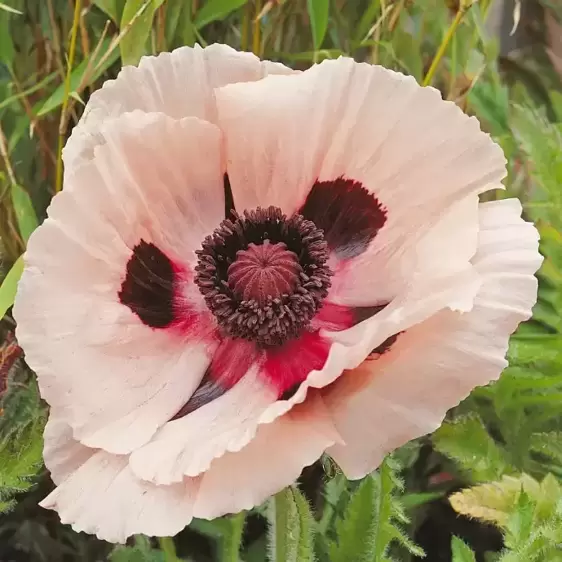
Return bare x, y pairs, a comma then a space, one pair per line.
249, 267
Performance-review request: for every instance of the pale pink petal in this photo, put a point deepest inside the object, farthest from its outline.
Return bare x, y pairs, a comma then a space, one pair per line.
186, 446
117, 379
350, 347
179, 84
415, 153
62, 454
98, 493
273, 460
380, 273
431, 367
104, 498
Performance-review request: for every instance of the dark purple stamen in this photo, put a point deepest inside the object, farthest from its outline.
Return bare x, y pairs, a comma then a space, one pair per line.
263, 275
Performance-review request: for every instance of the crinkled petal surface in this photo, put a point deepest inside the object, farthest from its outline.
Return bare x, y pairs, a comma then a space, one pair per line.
98, 493
406, 392
156, 416
117, 378
369, 155
179, 84
187, 446
273, 460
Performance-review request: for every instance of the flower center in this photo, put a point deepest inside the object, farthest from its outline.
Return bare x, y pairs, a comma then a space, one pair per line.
264, 272
263, 275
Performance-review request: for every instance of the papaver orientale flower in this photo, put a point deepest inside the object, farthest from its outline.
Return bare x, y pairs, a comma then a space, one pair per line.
250, 266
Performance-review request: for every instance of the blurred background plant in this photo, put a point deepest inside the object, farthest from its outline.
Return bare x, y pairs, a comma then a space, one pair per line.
487, 485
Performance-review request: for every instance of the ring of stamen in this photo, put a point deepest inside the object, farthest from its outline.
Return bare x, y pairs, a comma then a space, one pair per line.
263, 275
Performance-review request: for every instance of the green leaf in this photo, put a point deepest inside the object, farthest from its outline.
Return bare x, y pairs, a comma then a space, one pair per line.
371, 519
357, 527
25, 213
179, 27
528, 512
168, 548
542, 141
310, 56
133, 44
410, 501
21, 458
548, 444
291, 528
213, 10
520, 523
9, 286
231, 538
7, 50
140, 552
55, 100
318, 11
7, 505
467, 441
491, 102
368, 18
112, 8
461, 551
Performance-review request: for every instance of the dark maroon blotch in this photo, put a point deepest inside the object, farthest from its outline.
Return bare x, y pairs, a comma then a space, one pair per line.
228, 197
384, 346
365, 312
206, 392
361, 313
148, 288
348, 214
290, 392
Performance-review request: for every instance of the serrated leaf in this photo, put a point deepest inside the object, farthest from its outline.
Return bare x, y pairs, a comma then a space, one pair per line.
9, 286
515, 504
356, 529
307, 524
548, 444
25, 213
318, 12
519, 523
133, 44
542, 141
291, 528
467, 441
21, 458
214, 10
6, 506
491, 502
371, 519
461, 551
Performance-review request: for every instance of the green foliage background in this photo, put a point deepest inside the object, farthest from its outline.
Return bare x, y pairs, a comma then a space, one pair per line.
487, 485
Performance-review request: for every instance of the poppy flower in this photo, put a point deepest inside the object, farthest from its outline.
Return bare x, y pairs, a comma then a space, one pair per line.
250, 266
